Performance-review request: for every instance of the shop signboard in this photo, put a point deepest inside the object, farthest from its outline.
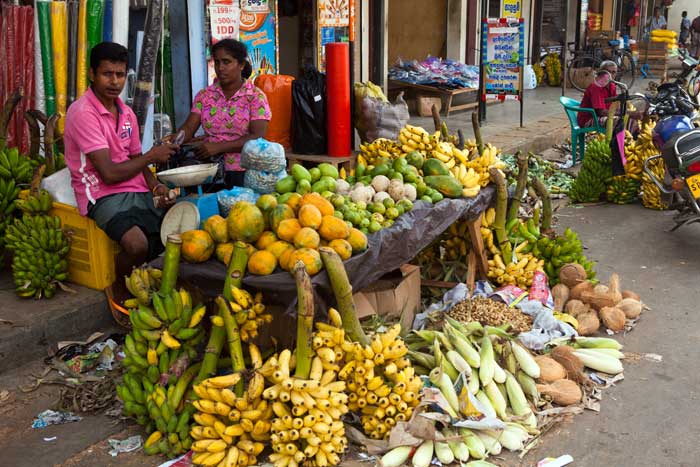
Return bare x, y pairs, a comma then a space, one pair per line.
511, 8
224, 20
502, 58
258, 30
333, 17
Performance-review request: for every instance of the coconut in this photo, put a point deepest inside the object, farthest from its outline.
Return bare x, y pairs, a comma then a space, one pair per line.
588, 323
630, 307
577, 290
571, 363
560, 293
576, 307
572, 274
601, 289
563, 392
613, 318
550, 369
630, 294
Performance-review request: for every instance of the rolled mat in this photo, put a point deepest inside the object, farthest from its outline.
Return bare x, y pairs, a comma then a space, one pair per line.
95, 17
40, 100
59, 43
46, 56
338, 97
120, 22
73, 13
81, 68
107, 22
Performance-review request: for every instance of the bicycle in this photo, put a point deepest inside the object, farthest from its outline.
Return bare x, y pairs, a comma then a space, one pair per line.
581, 69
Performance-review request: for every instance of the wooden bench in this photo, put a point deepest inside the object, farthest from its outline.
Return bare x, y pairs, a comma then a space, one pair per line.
347, 162
445, 94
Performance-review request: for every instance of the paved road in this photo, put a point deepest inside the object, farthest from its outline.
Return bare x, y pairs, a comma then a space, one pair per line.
650, 419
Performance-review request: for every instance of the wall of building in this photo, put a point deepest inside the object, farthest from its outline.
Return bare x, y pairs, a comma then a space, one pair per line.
674, 13
417, 28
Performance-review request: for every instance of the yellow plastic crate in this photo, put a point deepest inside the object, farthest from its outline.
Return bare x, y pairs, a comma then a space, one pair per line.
92, 252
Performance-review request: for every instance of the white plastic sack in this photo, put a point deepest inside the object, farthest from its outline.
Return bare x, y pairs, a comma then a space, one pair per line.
529, 78
379, 119
59, 187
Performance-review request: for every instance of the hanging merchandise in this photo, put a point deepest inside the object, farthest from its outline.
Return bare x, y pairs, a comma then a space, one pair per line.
107, 21
120, 22
147, 62
73, 13
95, 18
278, 89
258, 30
59, 45
81, 76
309, 113
39, 99
47, 56
338, 92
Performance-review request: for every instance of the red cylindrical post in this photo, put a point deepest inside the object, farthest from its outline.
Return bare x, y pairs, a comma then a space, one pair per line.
338, 98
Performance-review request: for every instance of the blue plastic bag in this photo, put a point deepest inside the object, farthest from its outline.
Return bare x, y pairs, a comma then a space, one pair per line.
261, 181
266, 156
227, 198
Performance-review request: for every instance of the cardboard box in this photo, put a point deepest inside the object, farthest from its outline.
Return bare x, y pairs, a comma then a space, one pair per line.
424, 105
396, 294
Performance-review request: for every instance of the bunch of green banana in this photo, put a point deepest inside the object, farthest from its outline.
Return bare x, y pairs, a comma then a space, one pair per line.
559, 251
39, 203
8, 196
142, 283
595, 174
40, 248
623, 189
15, 167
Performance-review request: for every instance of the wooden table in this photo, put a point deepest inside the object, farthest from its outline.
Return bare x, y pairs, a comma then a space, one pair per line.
445, 94
347, 162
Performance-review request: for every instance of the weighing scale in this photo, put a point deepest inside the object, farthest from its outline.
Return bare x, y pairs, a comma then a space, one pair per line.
189, 210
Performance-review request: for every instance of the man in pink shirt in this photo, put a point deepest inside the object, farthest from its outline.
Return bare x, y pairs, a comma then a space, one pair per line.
111, 179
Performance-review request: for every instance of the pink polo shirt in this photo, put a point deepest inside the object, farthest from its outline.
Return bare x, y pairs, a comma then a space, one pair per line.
90, 127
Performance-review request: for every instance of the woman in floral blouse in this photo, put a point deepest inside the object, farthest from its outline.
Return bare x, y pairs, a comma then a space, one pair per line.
231, 111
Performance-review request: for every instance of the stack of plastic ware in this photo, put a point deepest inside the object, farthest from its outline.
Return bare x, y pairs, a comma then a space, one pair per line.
338, 92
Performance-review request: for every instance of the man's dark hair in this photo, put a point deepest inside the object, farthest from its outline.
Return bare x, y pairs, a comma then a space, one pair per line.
110, 51
684, 14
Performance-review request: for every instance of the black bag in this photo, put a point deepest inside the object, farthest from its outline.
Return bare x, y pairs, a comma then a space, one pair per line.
309, 113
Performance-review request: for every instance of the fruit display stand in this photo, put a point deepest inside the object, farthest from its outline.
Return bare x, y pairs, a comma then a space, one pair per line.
446, 94
338, 162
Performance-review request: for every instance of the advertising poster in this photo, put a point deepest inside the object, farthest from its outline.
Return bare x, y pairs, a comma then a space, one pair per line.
333, 26
502, 49
258, 30
511, 8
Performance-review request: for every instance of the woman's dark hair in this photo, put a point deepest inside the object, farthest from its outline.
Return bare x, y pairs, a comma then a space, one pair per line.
237, 50
110, 51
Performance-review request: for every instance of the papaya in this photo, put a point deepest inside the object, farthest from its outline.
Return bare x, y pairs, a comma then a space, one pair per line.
278, 214
415, 159
333, 228
328, 170
310, 216
216, 227
245, 222
310, 257
342, 247
381, 169
357, 240
307, 238
294, 201
299, 173
266, 202
315, 173
288, 229
262, 263
329, 184
285, 257
266, 239
320, 186
286, 185
434, 167
279, 247
224, 252
197, 246
303, 187
447, 185
324, 206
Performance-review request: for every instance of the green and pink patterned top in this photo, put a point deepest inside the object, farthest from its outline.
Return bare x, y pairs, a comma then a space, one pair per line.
229, 119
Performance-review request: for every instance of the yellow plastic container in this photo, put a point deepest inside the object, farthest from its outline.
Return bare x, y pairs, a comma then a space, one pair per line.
92, 252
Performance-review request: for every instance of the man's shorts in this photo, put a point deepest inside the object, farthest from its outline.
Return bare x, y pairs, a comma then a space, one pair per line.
116, 214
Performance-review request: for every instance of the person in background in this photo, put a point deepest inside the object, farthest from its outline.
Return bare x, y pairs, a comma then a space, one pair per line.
595, 94
658, 21
695, 37
232, 111
685, 29
632, 17
111, 179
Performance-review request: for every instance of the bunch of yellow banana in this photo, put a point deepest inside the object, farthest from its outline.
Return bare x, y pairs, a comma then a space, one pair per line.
231, 431
413, 138
643, 149
141, 283
635, 155
454, 242
482, 163
249, 312
380, 148
381, 382
518, 273
487, 219
308, 429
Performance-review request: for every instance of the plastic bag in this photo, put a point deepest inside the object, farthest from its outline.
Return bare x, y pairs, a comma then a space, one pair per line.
263, 155
529, 77
261, 181
278, 89
59, 187
309, 113
378, 119
227, 198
